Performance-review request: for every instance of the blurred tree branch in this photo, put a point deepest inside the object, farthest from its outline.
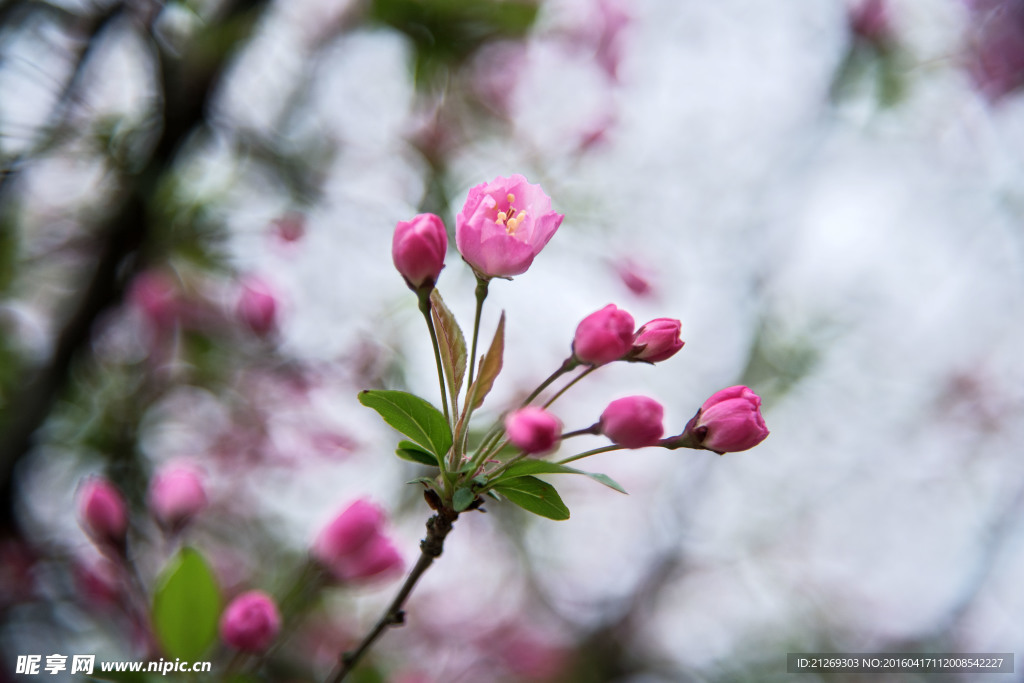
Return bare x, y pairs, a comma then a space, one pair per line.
123, 242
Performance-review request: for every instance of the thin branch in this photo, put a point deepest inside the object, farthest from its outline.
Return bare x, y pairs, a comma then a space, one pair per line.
438, 528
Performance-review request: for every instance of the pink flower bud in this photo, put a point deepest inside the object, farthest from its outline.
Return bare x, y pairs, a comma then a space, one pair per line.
353, 546
377, 559
418, 249
250, 622
869, 20
503, 226
103, 512
657, 340
633, 421
257, 306
533, 430
176, 495
603, 336
729, 421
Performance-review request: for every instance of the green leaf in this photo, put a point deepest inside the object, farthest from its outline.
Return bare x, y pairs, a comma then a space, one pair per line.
525, 467
186, 606
452, 343
407, 450
412, 416
462, 499
426, 481
490, 366
534, 495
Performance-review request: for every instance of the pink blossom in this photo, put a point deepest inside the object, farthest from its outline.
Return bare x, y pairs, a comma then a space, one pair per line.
633, 421
250, 622
603, 336
503, 226
869, 19
418, 249
533, 430
634, 277
729, 421
996, 50
289, 228
378, 558
353, 546
103, 512
176, 495
657, 340
156, 295
257, 306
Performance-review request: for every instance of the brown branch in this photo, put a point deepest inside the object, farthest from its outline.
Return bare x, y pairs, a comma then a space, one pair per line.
438, 528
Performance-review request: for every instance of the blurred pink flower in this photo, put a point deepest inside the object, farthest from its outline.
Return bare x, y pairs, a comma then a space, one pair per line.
533, 430
634, 277
418, 249
657, 340
996, 48
257, 306
250, 622
157, 296
729, 421
603, 336
633, 421
503, 225
353, 546
289, 228
176, 495
869, 20
103, 512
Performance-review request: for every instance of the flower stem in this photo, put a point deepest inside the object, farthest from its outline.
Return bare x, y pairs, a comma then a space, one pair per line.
592, 429
481, 294
567, 386
424, 295
438, 528
566, 366
585, 454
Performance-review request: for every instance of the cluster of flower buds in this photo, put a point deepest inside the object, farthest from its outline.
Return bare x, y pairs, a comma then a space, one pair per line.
500, 230
354, 547
177, 494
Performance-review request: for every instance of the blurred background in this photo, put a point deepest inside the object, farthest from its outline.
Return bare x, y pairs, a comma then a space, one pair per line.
197, 201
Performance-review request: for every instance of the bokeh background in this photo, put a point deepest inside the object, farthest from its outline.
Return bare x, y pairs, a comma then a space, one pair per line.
196, 208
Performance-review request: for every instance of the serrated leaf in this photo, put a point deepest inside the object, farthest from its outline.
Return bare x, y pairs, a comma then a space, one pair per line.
412, 416
526, 467
490, 366
452, 343
534, 495
186, 606
462, 499
407, 450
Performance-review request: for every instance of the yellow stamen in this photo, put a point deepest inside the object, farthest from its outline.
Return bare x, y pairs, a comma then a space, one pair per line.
512, 224
502, 217
511, 199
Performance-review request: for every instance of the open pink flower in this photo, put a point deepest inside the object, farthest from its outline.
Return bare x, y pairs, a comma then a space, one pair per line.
729, 421
503, 225
532, 429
